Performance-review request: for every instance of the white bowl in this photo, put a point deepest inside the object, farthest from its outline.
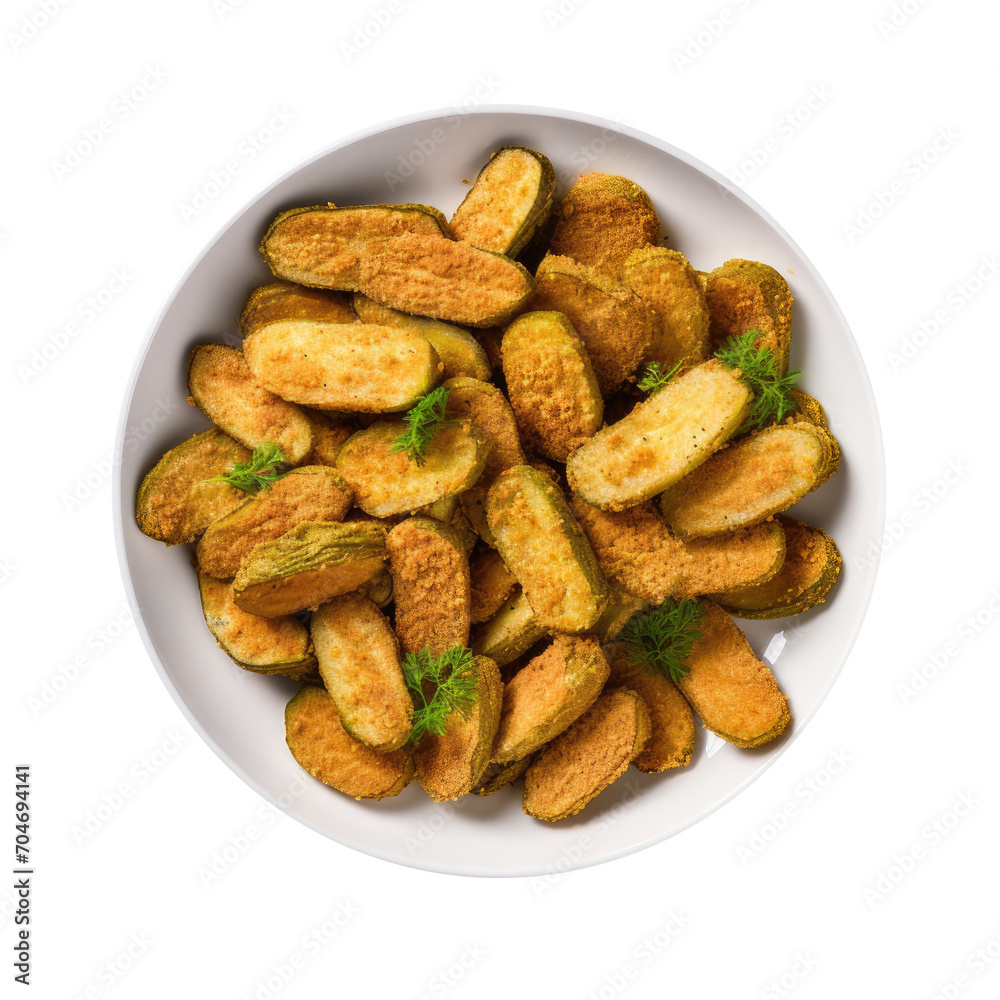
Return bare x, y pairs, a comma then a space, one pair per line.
240, 714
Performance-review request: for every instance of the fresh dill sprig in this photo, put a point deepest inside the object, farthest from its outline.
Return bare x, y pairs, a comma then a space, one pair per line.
259, 472
422, 419
653, 379
661, 639
762, 375
449, 682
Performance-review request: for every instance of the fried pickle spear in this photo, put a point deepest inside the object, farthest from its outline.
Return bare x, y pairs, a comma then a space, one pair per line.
548, 694
284, 300
811, 566
329, 432
551, 383
732, 692
754, 478
323, 748
309, 493
511, 631
491, 582
588, 757
672, 432
750, 555
359, 662
497, 776
430, 576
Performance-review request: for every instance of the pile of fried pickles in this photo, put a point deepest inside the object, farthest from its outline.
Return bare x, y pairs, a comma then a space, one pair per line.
553, 503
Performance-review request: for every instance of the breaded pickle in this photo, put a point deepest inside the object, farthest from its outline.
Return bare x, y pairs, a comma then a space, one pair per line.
450, 765
732, 692
263, 645
284, 300
634, 548
610, 318
667, 284
329, 432
602, 219
672, 432
324, 749
342, 366
510, 632
177, 500
672, 731
459, 352
510, 198
745, 295
430, 577
492, 583
745, 557
811, 566
810, 408
546, 550
621, 607
497, 776
387, 482
320, 245
548, 694
443, 279
551, 383
754, 478
307, 565
588, 757
309, 493
359, 662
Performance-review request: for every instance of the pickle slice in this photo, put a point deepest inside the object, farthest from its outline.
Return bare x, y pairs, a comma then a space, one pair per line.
588, 757
811, 566
451, 765
307, 565
342, 366
672, 432
621, 607
309, 493
283, 300
551, 383
745, 557
751, 480
359, 662
324, 749
731, 691
497, 776
491, 582
548, 694
329, 432
262, 645
320, 245
510, 198
546, 550
177, 499
513, 630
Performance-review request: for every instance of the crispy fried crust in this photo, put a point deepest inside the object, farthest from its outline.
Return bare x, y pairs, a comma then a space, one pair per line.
742, 558
588, 757
359, 662
451, 765
732, 692
551, 383
751, 480
329, 432
497, 776
176, 500
511, 631
309, 493
621, 607
324, 749
811, 566
284, 300
548, 694
430, 577
672, 735
492, 583
485, 406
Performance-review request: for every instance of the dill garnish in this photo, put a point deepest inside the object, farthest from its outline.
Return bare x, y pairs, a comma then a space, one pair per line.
260, 471
450, 682
661, 639
422, 419
761, 374
653, 379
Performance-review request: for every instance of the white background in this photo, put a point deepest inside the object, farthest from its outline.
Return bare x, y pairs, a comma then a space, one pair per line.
880, 879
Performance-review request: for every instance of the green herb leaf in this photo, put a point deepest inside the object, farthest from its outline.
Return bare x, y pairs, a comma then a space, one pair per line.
440, 685
257, 473
661, 639
653, 379
761, 374
422, 419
